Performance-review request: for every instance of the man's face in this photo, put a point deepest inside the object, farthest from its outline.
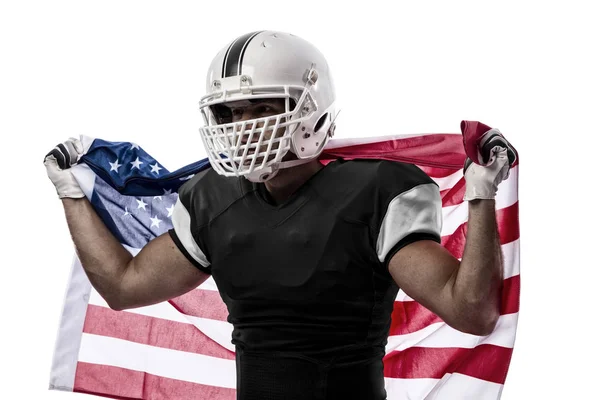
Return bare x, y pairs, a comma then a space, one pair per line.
244, 110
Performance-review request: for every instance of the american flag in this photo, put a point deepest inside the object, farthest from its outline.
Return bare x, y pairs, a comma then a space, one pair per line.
181, 349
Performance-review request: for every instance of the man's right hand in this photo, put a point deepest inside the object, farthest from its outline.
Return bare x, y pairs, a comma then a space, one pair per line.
58, 164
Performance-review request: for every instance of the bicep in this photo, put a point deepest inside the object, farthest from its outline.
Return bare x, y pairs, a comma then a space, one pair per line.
159, 272
425, 270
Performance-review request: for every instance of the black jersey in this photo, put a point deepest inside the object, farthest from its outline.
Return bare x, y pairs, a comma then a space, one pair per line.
308, 276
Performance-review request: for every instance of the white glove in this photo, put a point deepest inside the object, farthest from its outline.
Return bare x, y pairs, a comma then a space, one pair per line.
58, 166
482, 180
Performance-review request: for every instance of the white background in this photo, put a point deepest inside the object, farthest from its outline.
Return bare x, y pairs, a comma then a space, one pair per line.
134, 71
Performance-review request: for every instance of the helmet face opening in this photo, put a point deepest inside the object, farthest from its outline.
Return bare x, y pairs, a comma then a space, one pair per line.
243, 136
242, 110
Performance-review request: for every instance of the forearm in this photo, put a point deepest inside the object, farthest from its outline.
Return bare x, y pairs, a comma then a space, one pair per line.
478, 282
103, 258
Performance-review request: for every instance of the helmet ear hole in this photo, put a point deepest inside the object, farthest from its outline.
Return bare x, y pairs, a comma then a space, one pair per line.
320, 122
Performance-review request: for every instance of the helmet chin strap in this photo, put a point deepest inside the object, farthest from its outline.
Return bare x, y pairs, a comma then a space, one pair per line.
262, 175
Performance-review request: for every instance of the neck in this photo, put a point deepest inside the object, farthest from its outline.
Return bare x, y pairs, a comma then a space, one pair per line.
288, 180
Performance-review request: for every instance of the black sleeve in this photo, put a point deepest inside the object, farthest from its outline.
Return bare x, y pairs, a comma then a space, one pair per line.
185, 252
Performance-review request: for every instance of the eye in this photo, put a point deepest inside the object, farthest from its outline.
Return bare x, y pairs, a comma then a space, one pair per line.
222, 114
264, 109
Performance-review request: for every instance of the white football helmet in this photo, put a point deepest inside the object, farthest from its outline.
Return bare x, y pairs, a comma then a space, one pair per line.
262, 65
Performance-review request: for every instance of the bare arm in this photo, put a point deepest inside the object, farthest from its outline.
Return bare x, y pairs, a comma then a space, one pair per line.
465, 294
157, 273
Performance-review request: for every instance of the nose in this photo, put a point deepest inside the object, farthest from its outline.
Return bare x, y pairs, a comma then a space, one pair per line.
247, 129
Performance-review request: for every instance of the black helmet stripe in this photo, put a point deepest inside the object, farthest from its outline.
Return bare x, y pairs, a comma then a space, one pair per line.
226, 58
232, 64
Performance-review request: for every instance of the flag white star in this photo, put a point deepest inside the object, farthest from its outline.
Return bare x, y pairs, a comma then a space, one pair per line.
134, 146
155, 222
141, 204
170, 210
115, 166
136, 163
126, 212
155, 168
167, 192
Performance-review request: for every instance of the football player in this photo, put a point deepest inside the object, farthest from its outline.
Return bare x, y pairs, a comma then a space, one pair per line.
308, 258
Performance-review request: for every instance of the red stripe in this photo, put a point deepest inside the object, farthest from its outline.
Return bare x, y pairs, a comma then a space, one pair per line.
436, 172
411, 316
486, 361
455, 242
455, 195
201, 303
443, 150
121, 383
508, 223
152, 331
508, 228
510, 295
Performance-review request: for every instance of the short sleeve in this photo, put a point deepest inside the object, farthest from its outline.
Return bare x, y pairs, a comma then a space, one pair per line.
184, 233
409, 209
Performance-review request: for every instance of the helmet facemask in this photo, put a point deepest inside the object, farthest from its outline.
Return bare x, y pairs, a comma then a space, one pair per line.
254, 148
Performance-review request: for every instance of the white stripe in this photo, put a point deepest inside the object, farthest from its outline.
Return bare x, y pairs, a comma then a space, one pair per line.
455, 216
459, 386
219, 331
448, 182
224, 66
416, 210
511, 252
64, 363
440, 335
409, 389
451, 386
86, 179
209, 284
181, 223
168, 363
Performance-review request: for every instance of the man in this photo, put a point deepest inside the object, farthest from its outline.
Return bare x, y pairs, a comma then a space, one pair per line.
308, 258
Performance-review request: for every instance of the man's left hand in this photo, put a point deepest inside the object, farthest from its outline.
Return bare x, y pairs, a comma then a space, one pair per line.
496, 155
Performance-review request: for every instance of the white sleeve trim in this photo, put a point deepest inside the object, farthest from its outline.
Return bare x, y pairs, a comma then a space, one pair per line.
181, 223
418, 210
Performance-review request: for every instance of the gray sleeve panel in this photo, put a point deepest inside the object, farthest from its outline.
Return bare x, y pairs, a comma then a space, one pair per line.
417, 210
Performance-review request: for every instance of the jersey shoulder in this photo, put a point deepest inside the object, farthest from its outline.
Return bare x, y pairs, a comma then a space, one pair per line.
400, 176
207, 194
362, 189
375, 175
